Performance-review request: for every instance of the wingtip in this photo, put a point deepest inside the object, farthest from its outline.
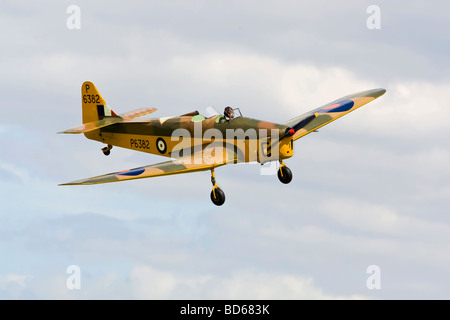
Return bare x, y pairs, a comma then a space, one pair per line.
69, 132
374, 93
72, 183
381, 91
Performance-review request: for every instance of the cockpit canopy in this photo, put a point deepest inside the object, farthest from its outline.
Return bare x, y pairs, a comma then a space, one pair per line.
232, 113
229, 114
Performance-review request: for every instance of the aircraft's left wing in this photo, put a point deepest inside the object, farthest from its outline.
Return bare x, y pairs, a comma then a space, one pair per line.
314, 119
208, 159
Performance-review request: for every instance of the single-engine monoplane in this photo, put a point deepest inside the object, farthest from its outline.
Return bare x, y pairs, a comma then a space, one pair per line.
198, 143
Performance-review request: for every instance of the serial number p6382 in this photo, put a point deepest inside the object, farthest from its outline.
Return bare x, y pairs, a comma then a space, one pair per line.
140, 143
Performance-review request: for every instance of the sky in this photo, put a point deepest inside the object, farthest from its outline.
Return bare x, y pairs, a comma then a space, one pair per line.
366, 215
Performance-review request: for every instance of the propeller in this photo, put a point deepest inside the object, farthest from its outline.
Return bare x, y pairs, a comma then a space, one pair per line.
291, 131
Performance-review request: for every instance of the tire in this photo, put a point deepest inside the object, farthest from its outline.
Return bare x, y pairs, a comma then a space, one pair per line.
219, 199
287, 175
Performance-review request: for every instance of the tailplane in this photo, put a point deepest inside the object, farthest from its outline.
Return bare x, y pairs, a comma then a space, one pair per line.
96, 114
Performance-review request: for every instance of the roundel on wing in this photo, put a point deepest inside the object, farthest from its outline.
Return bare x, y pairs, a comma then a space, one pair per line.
131, 172
341, 106
161, 145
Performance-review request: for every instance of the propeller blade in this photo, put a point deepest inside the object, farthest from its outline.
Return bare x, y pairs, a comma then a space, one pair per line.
304, 122
294, 129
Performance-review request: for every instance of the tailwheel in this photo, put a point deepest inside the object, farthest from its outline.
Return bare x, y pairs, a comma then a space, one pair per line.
107, 150
217, 195
284, 174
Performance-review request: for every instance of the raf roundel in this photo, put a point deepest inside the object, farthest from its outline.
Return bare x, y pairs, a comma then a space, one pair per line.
161, 145
131, 172
341, 106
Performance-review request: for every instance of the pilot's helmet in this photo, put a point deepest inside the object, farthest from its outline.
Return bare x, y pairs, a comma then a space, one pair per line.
229, 113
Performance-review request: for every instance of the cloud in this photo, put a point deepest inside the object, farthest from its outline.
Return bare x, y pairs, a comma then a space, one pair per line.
13, 172
13, 286
150, 283
409, 110
13, 278
380, 219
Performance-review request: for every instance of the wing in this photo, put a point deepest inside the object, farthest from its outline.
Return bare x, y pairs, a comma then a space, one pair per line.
314, 119
209, 158
107, 121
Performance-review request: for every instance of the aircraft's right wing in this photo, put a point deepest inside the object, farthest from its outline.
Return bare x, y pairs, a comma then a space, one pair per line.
209, 158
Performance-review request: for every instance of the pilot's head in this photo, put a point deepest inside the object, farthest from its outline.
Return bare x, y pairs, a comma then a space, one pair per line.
229, 113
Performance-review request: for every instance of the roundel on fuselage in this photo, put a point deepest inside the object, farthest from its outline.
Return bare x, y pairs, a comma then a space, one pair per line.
161, 145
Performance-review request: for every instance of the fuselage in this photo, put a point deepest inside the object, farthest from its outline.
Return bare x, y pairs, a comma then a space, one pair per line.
249, 139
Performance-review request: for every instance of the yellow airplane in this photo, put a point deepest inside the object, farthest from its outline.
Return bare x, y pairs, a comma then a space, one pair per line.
198, 143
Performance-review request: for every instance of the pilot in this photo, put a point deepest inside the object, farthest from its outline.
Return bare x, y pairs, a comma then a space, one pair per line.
229, 113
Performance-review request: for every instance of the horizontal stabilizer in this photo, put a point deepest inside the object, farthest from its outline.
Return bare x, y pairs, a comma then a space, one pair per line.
109, 121
93, 125
137, 113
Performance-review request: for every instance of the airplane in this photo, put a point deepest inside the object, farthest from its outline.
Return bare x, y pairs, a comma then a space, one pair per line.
198, 143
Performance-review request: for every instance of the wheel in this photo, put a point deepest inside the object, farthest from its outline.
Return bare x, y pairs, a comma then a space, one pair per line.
107, 150
219, 199
285, 174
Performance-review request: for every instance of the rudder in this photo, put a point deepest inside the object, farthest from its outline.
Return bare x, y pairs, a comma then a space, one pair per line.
94, 107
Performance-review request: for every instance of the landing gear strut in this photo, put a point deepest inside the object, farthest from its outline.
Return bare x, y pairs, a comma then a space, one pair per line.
107, 150
217, 195
284, 173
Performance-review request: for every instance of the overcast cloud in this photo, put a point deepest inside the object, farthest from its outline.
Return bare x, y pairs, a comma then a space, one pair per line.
371, 189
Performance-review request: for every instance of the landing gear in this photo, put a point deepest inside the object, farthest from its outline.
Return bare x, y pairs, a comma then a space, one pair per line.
217, 195
107, 150
284, 174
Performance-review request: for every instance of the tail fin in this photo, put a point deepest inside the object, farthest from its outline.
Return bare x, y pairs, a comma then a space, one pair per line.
93, 104
96, 114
